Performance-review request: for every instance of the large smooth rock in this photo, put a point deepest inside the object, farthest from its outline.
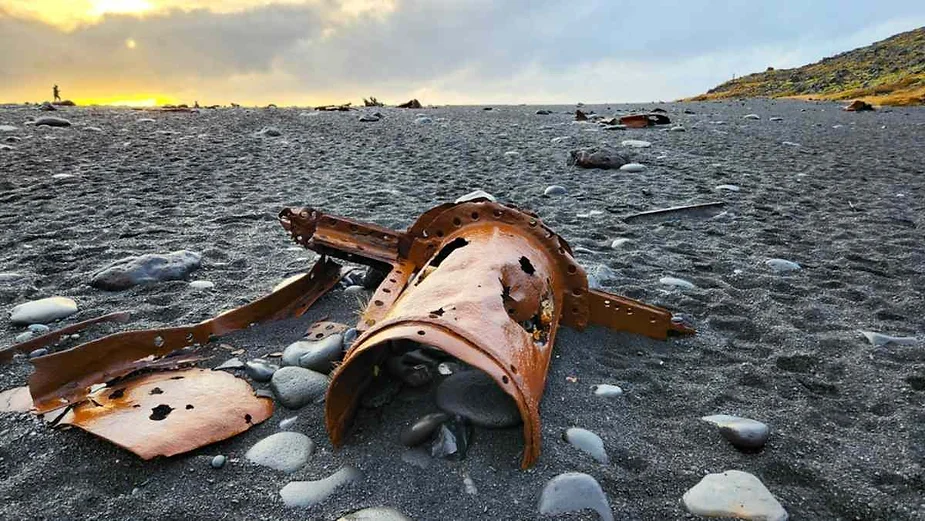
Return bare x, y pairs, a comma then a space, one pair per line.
782, 265
677, 283
475, 395
555, 190
733, 494
308, 493
42, 311
50, 121
376, 514
588, 442
742, 433
145, 269
284, 451
603, 158
318, 355
296, 387
574, 491
632, 167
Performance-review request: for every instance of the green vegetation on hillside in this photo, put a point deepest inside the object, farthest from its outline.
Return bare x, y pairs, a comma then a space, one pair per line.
889, 72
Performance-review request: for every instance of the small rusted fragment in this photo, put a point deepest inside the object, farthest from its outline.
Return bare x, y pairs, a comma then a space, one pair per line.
65, 377
17, 399
168, 413
644, 120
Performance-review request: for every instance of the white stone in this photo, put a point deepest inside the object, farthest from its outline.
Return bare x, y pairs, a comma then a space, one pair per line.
751, 116
42, 311
555, 190
636, 143
678, 128
202, 284
8, 128
728, 188
880, 340
677, 283
423, 120
776, 118
633, 167
307, 493
476, 194
283, 451
782, 266
733, 494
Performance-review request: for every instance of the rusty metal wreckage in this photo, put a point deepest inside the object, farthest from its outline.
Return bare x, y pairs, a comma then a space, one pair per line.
487, 283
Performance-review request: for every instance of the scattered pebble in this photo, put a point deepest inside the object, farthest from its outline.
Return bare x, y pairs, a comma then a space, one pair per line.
582, 250
475, 195
677, 128
543, 112
8, 128
202, 284
376, 514
318, 355
93, 129
470, 485
369, 118
775, 118
790, 144
620, 242
751, 116
607, 390
574, 491
555, 190
39, 329
733, 494
880, 340
25, 336
145, 120
42, 311
476, 396
677, 283
350, 336
600, 273
633, 167
260, 371
588, 442
286, 424
62, 176
144, 269
560, 139
218, 461
636, 143
296, 387
742, 433
283, 451
422, 429
38, 352
782, 266
726, 188
307, 493
422, 120
268, 132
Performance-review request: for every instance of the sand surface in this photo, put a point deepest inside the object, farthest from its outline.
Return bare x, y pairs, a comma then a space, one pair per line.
847, 418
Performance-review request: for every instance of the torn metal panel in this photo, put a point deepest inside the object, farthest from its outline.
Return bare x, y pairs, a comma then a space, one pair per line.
168, 413
645, 120
484, 282
65, 377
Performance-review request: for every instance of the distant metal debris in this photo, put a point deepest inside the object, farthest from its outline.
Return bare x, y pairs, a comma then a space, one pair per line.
645, 120
859, 106
335, 108
411, 104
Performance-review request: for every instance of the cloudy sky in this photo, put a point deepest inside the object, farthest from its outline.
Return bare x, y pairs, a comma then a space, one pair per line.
306, 52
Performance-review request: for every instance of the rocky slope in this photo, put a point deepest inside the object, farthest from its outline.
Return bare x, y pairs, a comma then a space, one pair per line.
889, 72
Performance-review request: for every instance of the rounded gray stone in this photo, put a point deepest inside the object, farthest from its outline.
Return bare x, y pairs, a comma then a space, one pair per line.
218, 461
259, 371
607, 390
144, 269
476, 396
39, 329
588, 442
742, 433
572, 492
603, 158
555, 190
283, 451
51, 121
296, 387
733, 494
315, 355
42, 311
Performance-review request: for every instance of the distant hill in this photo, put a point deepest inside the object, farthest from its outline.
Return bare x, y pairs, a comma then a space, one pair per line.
888, 72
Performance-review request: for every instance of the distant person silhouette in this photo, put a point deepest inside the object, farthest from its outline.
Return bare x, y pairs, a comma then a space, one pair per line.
56, 92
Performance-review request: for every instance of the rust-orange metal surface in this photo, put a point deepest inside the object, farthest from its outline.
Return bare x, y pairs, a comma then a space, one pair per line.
65, 377
484, 282
168, 413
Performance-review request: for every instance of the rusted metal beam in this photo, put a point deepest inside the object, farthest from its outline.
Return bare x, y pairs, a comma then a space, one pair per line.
487, 283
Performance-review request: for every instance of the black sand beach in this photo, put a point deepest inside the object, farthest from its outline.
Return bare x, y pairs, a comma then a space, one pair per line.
843, 199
